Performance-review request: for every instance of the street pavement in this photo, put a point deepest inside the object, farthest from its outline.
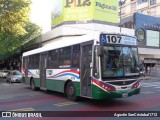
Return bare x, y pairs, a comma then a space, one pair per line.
20, 97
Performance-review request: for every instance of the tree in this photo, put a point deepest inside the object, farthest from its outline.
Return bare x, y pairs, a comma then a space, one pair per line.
13, 16
11, 44
16, 30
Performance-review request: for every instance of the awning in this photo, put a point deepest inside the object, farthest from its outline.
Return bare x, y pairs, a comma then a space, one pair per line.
149, 53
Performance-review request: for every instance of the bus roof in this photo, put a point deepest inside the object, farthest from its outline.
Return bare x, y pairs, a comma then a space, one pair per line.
66, 41
62, 42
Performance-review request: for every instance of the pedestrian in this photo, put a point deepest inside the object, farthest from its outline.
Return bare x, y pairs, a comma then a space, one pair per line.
148, 70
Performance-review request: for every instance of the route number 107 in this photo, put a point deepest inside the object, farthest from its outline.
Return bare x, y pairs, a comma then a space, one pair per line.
114, 39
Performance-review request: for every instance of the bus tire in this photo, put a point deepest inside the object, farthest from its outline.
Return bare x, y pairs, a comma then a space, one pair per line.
71, 91
34, 88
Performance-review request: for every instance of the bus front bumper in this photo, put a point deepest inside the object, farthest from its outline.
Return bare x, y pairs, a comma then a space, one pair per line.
115, 94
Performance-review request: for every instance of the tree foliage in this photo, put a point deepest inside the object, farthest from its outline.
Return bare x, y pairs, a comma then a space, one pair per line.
16, 30
13, 15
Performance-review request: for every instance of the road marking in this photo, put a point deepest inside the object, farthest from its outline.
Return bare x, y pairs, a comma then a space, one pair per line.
157, 87
6, 97
151, 84
65, 104
20, 95
147, 92
5, 84
8, 84
34, 94
23, 109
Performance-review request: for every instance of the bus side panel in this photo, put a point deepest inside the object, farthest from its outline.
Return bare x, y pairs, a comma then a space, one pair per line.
33, 73
37, 82
58, 85
55, 85
100, 93
56, 79
77, 87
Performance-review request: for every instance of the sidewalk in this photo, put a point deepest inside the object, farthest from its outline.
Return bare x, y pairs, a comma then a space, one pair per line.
149, 78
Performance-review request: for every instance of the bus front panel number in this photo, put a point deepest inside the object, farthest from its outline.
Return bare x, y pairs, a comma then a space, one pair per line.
114, 39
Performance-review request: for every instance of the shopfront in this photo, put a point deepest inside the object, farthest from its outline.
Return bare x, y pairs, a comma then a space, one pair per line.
147, 30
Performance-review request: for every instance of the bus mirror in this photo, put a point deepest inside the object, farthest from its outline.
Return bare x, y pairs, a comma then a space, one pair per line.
99, 50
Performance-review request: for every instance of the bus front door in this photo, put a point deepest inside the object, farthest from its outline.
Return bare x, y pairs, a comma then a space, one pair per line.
43, 66
86, 58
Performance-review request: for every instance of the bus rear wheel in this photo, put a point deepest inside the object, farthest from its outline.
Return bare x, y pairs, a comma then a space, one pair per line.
71, 91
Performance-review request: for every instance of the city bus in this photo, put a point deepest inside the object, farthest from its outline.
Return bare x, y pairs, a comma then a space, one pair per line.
95, 66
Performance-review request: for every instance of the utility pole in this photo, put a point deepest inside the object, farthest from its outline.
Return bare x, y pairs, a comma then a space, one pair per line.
120, 16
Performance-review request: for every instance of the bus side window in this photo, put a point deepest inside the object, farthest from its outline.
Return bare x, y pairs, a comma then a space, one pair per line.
76, 56
65, 57
53, 59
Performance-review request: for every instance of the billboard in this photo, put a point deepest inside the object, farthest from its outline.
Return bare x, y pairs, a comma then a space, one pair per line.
80, 10
106, 10
57, 12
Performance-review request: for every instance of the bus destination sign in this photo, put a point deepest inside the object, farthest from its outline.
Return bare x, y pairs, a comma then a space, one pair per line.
117, 39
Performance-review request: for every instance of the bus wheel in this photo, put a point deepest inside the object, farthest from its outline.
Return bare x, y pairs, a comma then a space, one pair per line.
34, 88
71, 92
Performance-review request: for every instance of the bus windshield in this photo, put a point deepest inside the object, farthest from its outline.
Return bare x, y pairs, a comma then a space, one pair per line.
119, 61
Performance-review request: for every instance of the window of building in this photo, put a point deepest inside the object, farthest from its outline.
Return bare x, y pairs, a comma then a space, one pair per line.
152, 2
133, 7
65, 57
152, 38
123, 11
53, 59
141, 1
153, 11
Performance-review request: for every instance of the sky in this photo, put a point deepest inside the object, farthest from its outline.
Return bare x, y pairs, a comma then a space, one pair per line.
41, 13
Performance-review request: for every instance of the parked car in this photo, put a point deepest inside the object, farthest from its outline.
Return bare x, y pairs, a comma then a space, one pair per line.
4, 73
14, 76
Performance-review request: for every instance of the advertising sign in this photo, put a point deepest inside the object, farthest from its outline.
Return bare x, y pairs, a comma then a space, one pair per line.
106, 10
57, 12
83, 10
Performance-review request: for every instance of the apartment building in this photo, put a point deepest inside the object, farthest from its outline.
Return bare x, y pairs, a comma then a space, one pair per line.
147, 7
144, 17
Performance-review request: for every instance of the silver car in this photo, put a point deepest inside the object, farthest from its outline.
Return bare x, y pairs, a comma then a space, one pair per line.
14, 76
4, 73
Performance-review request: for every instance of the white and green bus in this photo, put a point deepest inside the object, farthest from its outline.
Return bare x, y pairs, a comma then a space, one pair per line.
96, 66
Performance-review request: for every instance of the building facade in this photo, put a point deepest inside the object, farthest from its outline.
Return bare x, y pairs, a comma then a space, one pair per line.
147, 30
144, 17
147, 7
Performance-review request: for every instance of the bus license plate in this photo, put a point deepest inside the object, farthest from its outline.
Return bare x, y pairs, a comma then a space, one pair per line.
124, 95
